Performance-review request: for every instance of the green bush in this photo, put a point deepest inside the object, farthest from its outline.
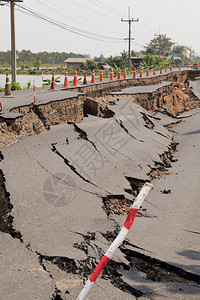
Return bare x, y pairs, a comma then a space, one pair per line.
27, 85
47, 82
31, 72
15, 86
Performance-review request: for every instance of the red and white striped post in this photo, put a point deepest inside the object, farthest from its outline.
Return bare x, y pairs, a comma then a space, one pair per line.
34, 92
118, 241
42, 82
1, 107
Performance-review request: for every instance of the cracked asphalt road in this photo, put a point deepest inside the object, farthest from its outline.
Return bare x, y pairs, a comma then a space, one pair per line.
57, 200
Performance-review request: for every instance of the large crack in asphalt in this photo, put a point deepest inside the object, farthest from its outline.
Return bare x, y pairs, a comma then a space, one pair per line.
6, 220
66, 161
83, 135
84, 268
126, 130
149, 124
157, 270
160, 169
57, 177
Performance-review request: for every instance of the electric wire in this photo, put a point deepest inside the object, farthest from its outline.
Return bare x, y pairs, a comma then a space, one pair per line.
75, 28
103, 7
94, 11
108, 7
75, 19
72, 29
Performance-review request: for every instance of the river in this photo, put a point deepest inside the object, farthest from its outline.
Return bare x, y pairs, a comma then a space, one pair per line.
24, 79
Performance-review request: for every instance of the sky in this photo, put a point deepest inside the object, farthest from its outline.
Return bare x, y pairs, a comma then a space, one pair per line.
94, 26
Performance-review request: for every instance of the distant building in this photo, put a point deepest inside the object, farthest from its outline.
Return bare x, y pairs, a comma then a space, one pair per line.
136, 60
76, 62
173, 57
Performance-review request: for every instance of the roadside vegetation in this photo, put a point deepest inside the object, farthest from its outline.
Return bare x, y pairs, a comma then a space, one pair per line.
160, 52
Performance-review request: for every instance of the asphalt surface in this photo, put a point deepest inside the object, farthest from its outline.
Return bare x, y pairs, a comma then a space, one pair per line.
56, 182
142, 89
25, 97
173, 234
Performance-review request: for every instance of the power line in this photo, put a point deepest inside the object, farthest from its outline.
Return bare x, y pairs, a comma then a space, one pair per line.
72, 29
75, 19
109, 8
147, 27
94, 11
81, 17
103, 7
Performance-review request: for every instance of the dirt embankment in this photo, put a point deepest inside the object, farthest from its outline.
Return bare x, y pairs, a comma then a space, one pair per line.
36, 119
177, 97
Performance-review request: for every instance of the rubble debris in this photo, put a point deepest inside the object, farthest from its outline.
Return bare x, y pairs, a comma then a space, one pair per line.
118, 205
149, 123
171, 126
161, 168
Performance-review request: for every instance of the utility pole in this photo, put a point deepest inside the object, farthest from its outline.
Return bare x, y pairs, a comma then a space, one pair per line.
159, 41
129, 20
13, 41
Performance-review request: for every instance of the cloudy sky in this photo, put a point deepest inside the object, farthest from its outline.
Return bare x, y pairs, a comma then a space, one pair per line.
95, 27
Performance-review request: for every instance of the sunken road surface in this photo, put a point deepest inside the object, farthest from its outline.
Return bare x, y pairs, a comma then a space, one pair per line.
57, 186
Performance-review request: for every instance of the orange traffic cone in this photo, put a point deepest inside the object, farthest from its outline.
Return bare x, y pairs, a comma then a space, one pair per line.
119, 75
111, 75
85, 79
147, 72
101, 76
1, 107
75, 79
125, 76
165, 69
8, 93
93, 77
53, 84
134, 74
66, 83
161, 71
141, 74
154, 72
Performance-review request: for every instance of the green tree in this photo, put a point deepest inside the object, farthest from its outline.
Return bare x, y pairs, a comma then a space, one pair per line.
150, 60
91, 64
160, 45
37, 62
118, 61
180, 50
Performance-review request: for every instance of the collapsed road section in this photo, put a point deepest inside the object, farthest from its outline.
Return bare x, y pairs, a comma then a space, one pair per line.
70, 188
22, 117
